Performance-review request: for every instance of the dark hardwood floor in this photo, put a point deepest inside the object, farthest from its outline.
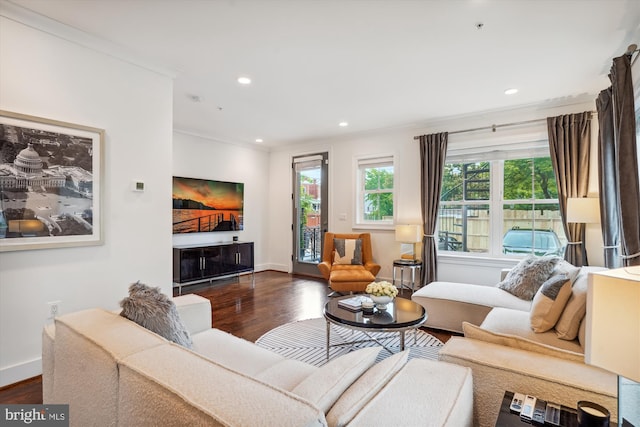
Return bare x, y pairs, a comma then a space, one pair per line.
240, 309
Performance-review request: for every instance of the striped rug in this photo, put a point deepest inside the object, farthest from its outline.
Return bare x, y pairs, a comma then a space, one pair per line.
305, 340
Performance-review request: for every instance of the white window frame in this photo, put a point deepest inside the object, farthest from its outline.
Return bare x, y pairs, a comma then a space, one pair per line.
497, 155
360, 164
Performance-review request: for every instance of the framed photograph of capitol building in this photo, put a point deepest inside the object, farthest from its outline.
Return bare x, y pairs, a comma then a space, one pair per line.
50, 183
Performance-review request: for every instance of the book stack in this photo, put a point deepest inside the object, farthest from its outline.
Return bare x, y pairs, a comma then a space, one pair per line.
354, 303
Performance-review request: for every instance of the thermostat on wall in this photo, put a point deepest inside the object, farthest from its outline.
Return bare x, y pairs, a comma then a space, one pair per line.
137, 186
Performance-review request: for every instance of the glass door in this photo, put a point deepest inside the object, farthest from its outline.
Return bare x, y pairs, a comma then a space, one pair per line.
310, 217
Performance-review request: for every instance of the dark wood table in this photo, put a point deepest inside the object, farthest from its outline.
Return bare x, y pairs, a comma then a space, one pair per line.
400, 316
506, 418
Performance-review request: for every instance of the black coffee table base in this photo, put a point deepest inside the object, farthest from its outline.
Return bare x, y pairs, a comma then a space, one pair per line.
370, 338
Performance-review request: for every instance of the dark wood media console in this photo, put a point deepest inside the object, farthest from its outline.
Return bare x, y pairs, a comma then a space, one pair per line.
200, 263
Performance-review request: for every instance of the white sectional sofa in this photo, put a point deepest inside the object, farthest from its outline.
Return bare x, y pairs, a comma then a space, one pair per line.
505, 354
111, 371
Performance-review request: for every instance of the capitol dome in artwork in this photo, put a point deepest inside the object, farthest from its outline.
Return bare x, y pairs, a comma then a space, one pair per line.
27, 172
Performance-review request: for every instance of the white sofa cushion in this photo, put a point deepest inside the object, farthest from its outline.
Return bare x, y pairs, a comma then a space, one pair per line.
172, 386
365, 387
327, 384
233, 352
448, 304
286, 374
423, 393
515, 323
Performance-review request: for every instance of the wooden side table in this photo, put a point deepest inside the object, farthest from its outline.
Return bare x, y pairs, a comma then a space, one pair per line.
413, 265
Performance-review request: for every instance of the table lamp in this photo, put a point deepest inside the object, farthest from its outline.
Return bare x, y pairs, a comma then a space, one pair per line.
409, 233
613, 334
583, 210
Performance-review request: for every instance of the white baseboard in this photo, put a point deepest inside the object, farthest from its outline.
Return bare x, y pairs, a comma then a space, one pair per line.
20, 372
277, 267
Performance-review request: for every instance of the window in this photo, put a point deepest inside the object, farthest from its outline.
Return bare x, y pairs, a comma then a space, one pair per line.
504, 206
375, 198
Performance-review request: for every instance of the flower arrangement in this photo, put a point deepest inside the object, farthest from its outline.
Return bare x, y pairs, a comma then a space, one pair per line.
380, 289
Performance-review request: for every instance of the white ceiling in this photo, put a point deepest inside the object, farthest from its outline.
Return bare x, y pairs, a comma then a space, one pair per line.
373, 63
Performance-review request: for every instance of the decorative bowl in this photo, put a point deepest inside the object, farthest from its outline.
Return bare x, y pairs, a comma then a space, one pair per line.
381, 301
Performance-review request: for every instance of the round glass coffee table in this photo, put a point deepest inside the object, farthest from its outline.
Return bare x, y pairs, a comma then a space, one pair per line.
400, 316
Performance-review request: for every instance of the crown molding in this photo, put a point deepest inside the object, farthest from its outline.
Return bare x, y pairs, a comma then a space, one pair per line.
36, 21
222, 141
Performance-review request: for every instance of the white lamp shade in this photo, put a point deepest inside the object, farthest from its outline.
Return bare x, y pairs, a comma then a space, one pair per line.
408, 233
584, 210
613, 321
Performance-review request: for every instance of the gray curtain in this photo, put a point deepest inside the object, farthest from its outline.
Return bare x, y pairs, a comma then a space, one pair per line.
569, 144
626, 157
608, 182
433, 151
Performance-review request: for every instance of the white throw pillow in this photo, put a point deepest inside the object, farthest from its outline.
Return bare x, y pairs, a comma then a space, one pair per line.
326, 385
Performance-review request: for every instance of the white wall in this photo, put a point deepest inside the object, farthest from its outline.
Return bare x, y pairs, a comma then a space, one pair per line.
44, 75
196, 157
400, 142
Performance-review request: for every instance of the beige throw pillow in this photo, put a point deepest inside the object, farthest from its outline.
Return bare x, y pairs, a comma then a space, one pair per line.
480, 334
549, 302
327, 383
573, 313
364, 389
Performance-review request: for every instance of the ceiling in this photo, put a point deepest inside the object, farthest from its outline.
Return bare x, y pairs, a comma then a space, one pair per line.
375, 64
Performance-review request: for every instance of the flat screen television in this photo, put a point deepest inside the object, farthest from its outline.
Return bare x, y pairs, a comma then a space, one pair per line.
203, 205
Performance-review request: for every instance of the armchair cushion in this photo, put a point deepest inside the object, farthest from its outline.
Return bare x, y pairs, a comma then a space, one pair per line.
355, 268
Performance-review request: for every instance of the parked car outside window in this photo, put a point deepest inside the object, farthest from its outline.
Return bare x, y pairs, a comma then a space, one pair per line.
520, 241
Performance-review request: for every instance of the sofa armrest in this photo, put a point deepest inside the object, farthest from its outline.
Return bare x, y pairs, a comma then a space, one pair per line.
48, 361
195, 312
498, 368
503, 273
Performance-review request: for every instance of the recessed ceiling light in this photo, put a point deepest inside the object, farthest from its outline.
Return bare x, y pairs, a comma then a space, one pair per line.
510, 91
343, 124
259, 140
244, 80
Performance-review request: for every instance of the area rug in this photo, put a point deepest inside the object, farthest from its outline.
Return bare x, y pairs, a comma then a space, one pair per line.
305, 340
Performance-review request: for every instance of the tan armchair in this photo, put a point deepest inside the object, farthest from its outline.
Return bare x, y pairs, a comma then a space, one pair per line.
347, 277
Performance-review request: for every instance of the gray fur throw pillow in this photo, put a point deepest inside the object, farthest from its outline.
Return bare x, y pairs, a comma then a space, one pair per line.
150, 308
525, 279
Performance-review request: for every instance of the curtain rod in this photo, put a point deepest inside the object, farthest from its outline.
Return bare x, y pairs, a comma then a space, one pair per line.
494, 127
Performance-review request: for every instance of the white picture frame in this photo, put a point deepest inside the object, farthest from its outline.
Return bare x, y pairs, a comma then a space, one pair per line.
50, 183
